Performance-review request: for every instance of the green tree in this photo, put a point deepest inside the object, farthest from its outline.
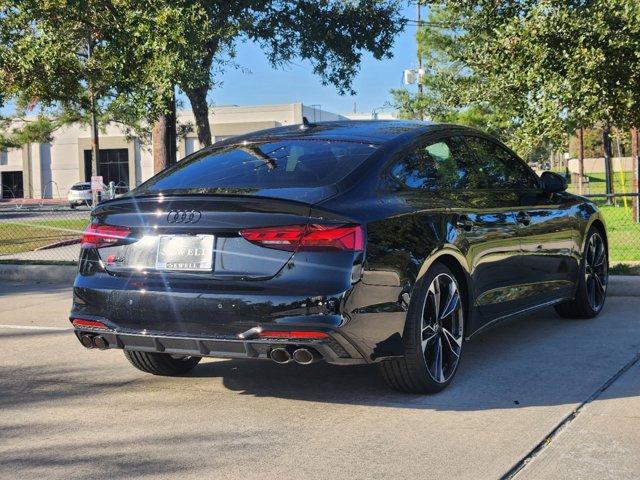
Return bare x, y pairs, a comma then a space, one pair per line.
199, 39
66, 59
144, 49
549, 66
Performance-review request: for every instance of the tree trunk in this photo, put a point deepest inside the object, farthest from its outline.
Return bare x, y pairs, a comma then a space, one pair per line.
198, 99
164, 139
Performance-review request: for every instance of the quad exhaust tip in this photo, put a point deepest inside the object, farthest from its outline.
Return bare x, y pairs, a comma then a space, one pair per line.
302, 355
100, 342
280, 355
89, 341
305, 356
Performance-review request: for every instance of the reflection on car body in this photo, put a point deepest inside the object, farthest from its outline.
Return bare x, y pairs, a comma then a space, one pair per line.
350, 242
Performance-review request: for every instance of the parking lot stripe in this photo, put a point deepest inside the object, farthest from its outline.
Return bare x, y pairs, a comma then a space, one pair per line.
35, 327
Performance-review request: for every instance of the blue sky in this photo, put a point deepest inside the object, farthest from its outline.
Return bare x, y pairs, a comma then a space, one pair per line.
297, 83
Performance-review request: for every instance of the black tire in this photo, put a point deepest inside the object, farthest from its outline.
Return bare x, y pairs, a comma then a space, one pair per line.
411, 373
161, 363
590, 277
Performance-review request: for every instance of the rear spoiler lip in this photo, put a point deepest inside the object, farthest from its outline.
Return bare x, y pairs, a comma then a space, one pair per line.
328, 191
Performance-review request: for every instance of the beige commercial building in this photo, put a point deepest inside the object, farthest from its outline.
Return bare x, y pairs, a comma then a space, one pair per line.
48, 170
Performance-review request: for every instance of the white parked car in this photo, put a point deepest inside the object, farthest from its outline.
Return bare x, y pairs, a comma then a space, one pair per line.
79, 194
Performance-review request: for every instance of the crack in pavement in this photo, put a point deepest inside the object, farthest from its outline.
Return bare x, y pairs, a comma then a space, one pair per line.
566, 421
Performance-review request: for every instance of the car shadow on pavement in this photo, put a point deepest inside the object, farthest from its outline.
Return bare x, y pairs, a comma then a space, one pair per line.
15, 288
142, 456
532, 361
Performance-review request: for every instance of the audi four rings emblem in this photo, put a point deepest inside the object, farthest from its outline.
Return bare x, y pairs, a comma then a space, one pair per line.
183, 216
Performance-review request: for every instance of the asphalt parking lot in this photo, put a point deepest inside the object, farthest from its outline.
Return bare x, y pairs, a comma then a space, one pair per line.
67, 412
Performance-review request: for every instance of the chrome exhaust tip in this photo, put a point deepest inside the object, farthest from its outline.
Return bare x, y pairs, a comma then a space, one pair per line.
280, 355
86, 341
101, 343
305, 356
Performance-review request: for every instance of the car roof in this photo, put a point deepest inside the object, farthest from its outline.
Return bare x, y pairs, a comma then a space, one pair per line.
373, 131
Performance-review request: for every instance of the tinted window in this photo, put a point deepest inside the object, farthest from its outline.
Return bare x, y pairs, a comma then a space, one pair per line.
496, 167
280, 164
436, 165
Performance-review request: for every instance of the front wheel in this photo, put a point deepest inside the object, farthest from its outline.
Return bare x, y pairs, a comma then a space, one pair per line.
591, 288
433, 336
161, 363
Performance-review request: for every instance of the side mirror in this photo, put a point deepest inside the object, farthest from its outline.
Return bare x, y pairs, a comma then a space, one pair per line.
553, 182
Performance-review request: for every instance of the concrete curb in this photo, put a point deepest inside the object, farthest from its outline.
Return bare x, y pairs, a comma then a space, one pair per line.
624, 286
619, 285
58, 274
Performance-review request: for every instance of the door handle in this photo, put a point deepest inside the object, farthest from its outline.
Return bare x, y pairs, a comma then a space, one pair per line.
464, 222
523, 218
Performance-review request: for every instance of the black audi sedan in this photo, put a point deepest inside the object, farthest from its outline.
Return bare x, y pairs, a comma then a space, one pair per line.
347, 242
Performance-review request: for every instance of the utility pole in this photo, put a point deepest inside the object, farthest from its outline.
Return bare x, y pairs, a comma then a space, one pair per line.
95, 143
419, 21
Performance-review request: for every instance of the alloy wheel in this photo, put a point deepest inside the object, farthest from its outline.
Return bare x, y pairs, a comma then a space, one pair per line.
596, 273
442, 328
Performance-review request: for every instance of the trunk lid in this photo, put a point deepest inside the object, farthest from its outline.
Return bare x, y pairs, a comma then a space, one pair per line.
167, 230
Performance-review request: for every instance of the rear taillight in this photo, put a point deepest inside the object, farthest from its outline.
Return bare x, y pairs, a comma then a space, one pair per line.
308, 237
96, 236
82, 323
293, 334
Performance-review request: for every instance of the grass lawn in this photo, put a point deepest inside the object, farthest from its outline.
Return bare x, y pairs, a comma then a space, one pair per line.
597, 184
623, 233
17, 237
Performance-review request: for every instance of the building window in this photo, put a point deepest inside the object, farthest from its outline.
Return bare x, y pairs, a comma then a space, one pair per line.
113, 166
4, 157
11, 185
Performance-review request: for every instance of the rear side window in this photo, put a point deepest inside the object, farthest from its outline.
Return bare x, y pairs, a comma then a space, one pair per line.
496, 167
436, 165
276, 164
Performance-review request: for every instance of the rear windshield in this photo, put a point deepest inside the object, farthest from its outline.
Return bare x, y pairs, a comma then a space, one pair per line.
81, 186
263, 165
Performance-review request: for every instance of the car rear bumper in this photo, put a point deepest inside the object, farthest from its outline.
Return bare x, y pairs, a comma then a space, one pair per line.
199, 316
335, 349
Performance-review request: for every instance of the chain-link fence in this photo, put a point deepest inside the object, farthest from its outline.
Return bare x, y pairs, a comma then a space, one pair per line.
42, 232
623, 229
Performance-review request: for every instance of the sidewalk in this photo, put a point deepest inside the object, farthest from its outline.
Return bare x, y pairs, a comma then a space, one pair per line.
601, 442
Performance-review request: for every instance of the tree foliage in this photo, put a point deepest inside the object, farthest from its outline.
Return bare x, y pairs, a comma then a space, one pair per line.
45, 67
547, 66
331, 34
145, 48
